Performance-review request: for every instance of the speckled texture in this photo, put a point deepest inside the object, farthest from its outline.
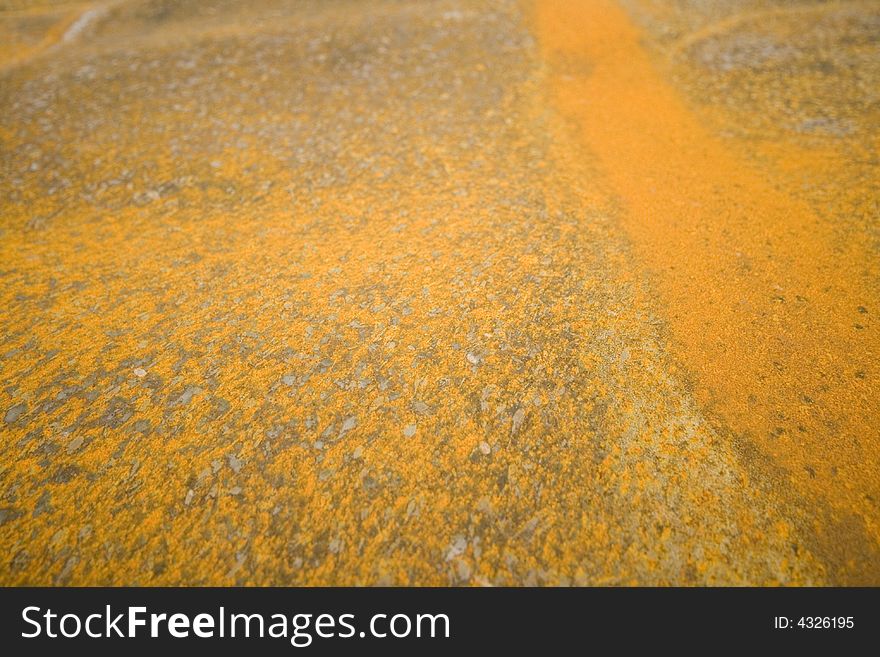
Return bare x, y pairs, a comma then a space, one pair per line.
345, 293
754, 210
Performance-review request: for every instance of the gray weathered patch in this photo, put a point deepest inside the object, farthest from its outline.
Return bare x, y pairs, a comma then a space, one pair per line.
14, 413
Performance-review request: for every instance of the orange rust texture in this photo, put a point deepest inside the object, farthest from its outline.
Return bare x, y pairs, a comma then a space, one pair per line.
769, 303
327, 293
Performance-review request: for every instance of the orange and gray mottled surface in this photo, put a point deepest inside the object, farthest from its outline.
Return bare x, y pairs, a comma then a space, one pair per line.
440, 292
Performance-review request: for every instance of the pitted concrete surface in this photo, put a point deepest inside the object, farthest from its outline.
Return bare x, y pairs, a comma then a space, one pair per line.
447, 292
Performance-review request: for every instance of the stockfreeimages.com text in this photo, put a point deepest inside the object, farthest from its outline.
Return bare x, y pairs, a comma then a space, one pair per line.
299, 629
